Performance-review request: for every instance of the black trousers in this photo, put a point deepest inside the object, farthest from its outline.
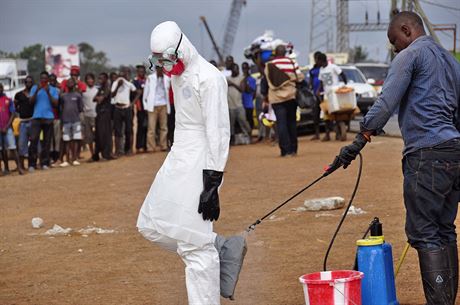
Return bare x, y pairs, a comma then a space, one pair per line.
141, 134
37, 126
124, 116
171, 125
103, 134
432, 194
287, 126
316, 111
250, 117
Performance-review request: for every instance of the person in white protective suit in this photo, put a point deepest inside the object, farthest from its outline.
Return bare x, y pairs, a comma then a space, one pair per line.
183, 200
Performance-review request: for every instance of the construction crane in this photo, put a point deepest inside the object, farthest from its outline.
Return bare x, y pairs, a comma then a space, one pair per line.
232, 26
213, 41
230, 30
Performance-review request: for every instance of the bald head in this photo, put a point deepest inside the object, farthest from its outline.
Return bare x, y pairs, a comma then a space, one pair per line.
409, 18
404, 28
280, 50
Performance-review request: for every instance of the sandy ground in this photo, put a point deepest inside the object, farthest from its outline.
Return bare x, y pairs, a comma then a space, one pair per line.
124, 268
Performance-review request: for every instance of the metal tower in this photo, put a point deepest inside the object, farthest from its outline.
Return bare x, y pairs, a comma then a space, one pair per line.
343, 30
232, 26
344, 27
321, 22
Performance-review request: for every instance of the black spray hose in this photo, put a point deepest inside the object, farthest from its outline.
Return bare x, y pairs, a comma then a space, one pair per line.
358, 178
253, 226
329, 170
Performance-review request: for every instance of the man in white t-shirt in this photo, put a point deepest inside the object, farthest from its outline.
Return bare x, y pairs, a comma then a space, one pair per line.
89, 111
123, 113
229, 62
329, 75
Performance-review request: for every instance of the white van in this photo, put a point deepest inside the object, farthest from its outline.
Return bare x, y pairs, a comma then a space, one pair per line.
13, 73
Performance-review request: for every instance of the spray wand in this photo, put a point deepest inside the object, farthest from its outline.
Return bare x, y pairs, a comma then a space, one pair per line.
327, 171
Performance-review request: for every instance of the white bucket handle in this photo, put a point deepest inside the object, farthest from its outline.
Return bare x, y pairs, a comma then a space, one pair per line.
348, 299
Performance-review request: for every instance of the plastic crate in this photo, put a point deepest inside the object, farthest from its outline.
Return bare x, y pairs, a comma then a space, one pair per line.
341, 99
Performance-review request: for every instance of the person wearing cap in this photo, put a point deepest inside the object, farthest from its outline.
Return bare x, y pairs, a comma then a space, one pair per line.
80, 86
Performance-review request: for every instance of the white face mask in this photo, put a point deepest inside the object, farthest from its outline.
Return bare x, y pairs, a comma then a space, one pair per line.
168, 66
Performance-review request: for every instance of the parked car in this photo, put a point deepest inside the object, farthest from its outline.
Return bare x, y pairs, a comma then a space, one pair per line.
375, 74
365, 93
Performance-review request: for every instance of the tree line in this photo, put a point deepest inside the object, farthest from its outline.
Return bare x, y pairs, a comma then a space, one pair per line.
90, 60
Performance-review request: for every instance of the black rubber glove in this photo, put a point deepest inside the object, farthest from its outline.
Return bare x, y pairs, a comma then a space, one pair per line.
350, 152
209, 198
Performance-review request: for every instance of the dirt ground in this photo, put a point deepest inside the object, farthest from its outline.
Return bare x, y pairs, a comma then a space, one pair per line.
124, 268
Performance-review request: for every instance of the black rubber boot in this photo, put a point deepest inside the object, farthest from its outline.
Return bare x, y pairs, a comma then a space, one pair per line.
436, 276
452, 251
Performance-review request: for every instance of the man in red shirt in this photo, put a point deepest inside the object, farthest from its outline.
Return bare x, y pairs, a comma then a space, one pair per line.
7, 140
75, 74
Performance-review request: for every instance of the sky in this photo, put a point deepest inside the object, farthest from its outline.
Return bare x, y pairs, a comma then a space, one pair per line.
121, 28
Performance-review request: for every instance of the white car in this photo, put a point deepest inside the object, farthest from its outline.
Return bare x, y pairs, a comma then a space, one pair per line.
365, 93
375, 73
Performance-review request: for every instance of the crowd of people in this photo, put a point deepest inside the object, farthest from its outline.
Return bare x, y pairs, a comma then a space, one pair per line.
53, 122
103, 113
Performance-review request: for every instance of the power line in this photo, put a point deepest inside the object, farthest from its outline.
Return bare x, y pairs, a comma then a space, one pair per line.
440, 5
452, 12
450, 35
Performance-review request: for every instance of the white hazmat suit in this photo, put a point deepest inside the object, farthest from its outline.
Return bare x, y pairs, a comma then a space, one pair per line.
169, 215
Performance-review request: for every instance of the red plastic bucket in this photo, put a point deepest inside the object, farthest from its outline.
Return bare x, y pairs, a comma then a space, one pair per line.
341, 287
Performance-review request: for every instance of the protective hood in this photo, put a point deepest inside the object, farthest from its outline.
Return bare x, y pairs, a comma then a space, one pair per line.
166, 36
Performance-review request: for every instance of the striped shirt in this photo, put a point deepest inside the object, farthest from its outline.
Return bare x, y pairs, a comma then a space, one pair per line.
287, 65
282, 74
424, 82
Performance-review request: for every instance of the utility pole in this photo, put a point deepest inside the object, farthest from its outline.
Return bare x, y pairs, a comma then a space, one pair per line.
428, 24
343, 38
448, 27
344, 27
321, 26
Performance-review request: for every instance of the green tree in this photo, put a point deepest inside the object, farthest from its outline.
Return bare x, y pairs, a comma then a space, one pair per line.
358, 54
35, 54
91, 60
4, 54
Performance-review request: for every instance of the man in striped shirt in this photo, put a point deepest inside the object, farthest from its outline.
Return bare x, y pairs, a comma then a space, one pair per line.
282, 74
424, 84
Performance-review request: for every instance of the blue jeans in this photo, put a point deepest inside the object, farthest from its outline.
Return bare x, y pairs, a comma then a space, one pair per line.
432, 194
287, 126
7, 140
24, 136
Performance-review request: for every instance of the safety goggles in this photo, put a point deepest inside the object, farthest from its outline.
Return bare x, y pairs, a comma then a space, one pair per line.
167, 58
